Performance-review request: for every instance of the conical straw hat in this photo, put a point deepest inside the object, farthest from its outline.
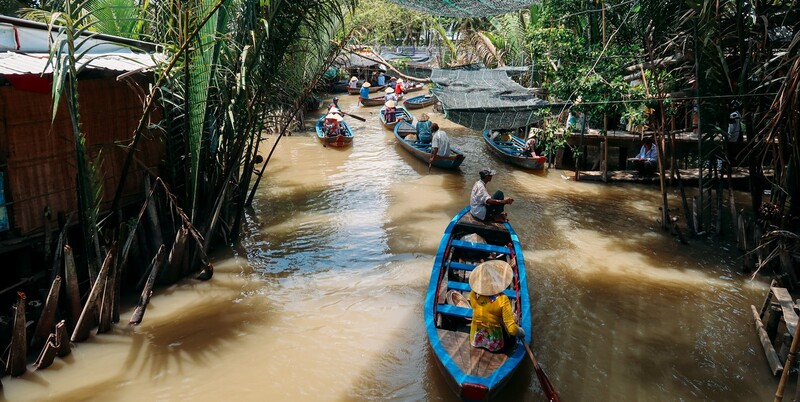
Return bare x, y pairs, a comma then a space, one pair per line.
390, 103
389, 90
491, 277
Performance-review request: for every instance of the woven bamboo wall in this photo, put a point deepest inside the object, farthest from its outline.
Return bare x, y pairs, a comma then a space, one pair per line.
41, 156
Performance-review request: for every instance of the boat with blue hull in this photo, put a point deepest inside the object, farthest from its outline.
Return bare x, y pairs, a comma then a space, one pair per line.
400, 113
475, 374
511, 152
422, 150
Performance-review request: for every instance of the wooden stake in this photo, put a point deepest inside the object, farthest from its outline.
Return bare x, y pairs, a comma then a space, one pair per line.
152, 214
62, 339
176, 256
81, 331
47, 319
72, 288
19, 345
48, 353
144, 299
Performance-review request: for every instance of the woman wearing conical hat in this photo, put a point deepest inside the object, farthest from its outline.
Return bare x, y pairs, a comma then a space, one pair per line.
492, 316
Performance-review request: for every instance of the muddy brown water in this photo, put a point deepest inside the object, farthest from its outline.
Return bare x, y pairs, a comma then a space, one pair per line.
323, 300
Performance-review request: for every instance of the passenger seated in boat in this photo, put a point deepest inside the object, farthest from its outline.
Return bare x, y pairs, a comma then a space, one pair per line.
529, 149
484, 207
389, 111
390, 96
424, 132
330, 126
492, 315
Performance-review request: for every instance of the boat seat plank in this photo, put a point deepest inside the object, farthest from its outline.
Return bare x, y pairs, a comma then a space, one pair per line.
472, 361
464, 287
462, 266
489, 248
449, 309
787, 305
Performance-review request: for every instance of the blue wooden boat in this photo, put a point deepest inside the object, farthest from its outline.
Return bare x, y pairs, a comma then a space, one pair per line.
475, 374
511, 152
419, 102
422, 150
400, 114
341, 140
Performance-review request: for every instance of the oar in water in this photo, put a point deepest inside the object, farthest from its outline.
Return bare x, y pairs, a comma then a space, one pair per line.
354, 116
547, 387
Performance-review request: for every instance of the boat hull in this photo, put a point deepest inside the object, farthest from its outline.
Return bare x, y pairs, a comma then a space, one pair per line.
419, 102
337, 141
480, 375
510, 153
422, 151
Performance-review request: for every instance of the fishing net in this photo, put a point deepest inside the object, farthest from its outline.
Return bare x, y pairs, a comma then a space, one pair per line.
465, 8
487, 99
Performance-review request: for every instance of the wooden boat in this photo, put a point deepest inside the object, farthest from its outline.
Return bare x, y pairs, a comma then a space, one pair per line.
372, 89
475, 374
419, 102
400, 114
511, 152
415, 87
422, 150
341, 140
376, 101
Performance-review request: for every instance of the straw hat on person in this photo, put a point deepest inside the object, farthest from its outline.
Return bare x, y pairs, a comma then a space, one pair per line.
424, 117
491, 277
367, 85
353, 78
389, 90
399, 80
333, 116
390, 103
531, 135
334, 109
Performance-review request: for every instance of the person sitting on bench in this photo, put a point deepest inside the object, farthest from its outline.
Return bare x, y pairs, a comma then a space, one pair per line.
646, 161
484, 207
492, 315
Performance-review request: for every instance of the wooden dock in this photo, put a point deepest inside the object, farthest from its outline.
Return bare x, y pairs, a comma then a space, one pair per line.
690, 177
779, 312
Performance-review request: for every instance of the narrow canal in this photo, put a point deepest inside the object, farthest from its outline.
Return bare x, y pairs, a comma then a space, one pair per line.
323, 300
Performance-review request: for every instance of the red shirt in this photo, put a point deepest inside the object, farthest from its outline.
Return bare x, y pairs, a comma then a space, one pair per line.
398, 88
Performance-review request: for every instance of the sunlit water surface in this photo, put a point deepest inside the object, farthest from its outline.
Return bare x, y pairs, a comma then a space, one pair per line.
323, 300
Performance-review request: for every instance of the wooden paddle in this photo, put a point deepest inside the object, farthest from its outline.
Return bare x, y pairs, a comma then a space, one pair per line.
354, 116
547, 387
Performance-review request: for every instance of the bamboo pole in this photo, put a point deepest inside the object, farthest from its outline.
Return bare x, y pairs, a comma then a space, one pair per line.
19, 345
72, 288
81, 331
787, 366
147, 292
48, 316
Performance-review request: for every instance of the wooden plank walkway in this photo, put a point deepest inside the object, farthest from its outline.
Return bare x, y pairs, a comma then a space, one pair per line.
689, 176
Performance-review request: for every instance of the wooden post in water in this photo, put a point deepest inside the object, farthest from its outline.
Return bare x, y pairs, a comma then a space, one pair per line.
144, 299
47, 319
15, 365
72, 288
81, 331
107, 302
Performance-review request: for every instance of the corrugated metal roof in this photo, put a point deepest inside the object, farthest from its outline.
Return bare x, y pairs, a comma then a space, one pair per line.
12, 63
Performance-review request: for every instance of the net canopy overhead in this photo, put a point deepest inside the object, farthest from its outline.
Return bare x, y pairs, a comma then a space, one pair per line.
465, 8
487, 99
